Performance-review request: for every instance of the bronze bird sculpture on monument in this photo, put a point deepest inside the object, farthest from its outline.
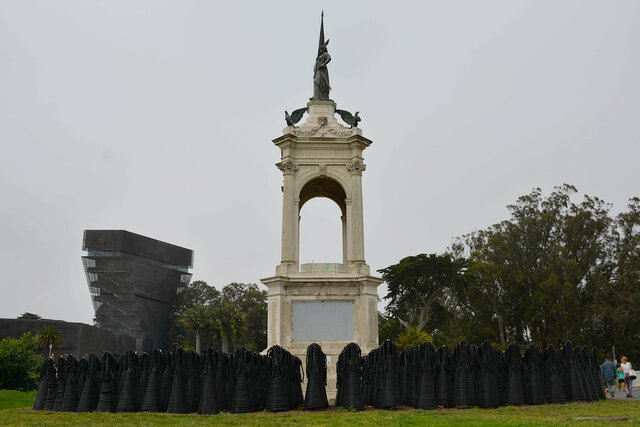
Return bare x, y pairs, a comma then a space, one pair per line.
294, 117
351, 120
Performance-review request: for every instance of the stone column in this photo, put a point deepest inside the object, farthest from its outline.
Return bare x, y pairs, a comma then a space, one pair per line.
343, 220
357, 228
297, 237
348, 241
289, 215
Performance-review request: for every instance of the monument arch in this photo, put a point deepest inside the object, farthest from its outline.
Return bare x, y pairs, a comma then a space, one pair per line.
328, 188
322, 232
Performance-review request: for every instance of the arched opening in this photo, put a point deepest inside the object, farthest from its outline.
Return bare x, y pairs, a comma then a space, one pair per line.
320, 232
322, 226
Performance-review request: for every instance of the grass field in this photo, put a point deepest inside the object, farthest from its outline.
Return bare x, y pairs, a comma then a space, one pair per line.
510, 415
16, 399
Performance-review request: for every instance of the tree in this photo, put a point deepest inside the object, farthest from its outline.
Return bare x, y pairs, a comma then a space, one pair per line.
388, 327
229, 323
252, 301
19, 363
47, 338
198, 319
417, 285
29, 316
541, 276
197, 292
621, 297
555, 270
247, 299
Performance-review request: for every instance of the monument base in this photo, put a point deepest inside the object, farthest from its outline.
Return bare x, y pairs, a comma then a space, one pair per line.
324, 305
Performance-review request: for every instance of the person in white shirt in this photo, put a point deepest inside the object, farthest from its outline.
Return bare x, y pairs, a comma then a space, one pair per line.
626, 368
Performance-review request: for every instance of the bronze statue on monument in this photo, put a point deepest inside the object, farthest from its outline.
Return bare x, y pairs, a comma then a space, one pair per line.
321, 87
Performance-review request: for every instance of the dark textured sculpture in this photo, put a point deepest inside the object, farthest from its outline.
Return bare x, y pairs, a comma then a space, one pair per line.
321, 87
426, 398
462, 362
71, 398
47, 377
108, 388
420, 377
349, 370
91, 389
152, 400
514, 394
294, 117
351, 120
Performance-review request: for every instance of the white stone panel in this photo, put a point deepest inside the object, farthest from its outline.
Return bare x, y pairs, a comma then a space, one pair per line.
322, 321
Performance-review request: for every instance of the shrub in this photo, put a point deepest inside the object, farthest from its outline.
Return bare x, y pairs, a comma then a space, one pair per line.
19, 363
411, 337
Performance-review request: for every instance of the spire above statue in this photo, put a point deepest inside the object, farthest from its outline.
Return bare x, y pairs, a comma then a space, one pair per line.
321, 87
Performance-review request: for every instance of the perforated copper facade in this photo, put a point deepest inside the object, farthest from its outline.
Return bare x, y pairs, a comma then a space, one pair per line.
133, 281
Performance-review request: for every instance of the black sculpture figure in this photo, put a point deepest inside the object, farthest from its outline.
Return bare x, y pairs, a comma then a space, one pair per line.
47, 376
514, 394
208, 400
488, 362
321, 87
71, 398
178, 397
444, 386
280, 364
52, 387
351, 120
152, 400
109, 385
241, 401
553, 366
463, 381
349, 370
533, 377
427, 369
91, 390
316, 396
128, 383
295, 116
192, 384
389, 371
62, 381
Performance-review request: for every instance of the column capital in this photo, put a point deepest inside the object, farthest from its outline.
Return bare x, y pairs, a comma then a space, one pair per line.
288, 167
357, 167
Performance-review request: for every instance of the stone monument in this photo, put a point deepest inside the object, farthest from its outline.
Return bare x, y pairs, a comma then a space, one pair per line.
328, 304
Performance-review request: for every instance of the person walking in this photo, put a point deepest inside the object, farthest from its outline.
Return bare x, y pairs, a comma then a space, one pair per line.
628, 382
608, 370
620, 375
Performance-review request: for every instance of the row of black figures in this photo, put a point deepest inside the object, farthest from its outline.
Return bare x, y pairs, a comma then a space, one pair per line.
421, 377
173, 382
425, 378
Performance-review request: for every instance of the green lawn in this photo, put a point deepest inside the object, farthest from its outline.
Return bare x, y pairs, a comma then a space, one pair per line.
510, 415
16, 399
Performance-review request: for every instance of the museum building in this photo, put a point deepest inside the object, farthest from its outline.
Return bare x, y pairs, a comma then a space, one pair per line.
133, 281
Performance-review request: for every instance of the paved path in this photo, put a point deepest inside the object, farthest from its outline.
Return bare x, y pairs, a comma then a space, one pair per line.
620, 394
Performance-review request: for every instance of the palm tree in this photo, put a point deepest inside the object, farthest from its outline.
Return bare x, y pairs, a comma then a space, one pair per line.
229, 323
198, 319
412, 337
47, 338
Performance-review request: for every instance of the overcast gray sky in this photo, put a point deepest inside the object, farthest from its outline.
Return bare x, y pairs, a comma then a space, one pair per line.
157, 117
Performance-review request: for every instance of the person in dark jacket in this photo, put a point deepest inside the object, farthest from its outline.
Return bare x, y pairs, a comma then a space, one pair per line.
608, 370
